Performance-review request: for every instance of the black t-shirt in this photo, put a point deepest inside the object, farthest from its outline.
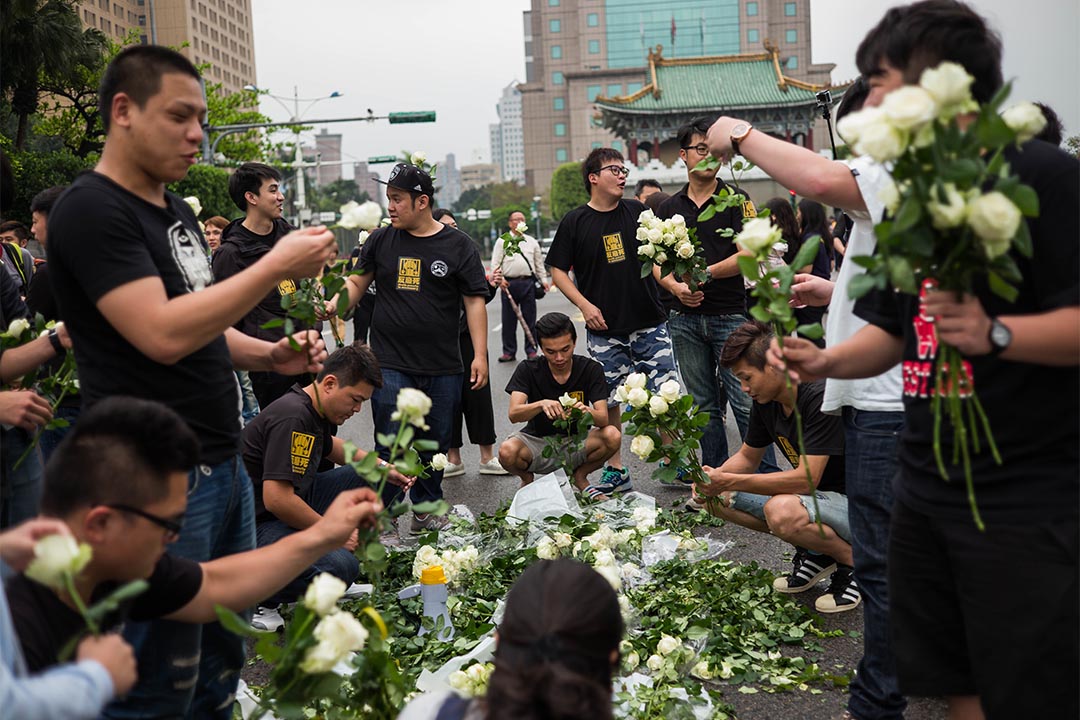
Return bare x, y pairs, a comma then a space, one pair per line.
101, 237
39, 297
601, 248
533, 377
45, 625
240, 249
823, 434
414, 328
1033, 409
286, 441
723, 296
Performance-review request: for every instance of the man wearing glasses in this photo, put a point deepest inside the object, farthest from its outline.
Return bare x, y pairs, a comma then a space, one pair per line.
701, 321
625, 325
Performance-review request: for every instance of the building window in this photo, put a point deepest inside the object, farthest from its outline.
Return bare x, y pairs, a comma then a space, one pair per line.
592, 20
560, 129
792, 36
751, 9
556, 52
793, 63
557, 78
560, 103
592, 92
553, 3
633, 87
560, 154
752, 35
555, 25
614, 90
789, 9
594, 47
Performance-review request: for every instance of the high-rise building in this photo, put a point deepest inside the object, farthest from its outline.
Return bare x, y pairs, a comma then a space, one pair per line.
447, 181
326, 154
507, 143
366, 181
478, 175
579, 50
218, 32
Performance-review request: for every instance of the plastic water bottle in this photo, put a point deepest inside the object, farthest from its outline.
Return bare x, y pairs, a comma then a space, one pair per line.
432, 590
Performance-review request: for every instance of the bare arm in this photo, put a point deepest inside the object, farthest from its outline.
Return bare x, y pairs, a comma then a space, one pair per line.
476, 318
355, 286
869, 352
18, 361
679, 290
787, 482
727, 267
280, 498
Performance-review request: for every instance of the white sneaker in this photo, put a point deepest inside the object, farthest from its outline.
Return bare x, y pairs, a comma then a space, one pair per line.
356, 590
453, 470
268, 619
492, 467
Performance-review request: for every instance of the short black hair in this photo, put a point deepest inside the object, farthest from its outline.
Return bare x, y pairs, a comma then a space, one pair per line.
43, 202
136, 72
1053, 133
596, 160
122, 450
353, 364
697, 126
644, 183
440, 213
553, 325
654, 201
748, 342
853, 98
249, 177
913, 38
16, 227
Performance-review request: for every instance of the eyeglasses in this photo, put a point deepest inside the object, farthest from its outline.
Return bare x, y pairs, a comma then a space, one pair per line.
700, 148
616, 170
172, 527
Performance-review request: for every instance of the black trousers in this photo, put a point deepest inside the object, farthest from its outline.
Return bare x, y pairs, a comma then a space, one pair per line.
521, 288
475, 404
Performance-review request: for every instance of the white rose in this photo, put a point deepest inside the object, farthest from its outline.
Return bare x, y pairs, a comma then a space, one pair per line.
611, 574
642, 234
196, 206
412, 407
668, 239
889, 196
667, 645
644, 517
642, 446
521, 228
17, 327
341, 631
631, 661
349, 215
1025, 119
995, 219
459, 681
604, 557
546, 549
636, 380
323, 593
670, 390
646, 217
630, 571
758, 235
909, 107
660, 258
948, 214
882, 141
362, 238
562, 540
657, 406
368, 215
654, 234
701, 671
850, 127
567, 401
654, 663
320, 658
684, 250
647, 250
385, 222
418, 158
637, 398
950, 85
620, 394
55, 556
677, 219
439, 461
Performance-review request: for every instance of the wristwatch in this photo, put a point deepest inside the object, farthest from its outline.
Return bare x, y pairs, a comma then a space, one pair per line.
1000, 337
738, 134
54, 340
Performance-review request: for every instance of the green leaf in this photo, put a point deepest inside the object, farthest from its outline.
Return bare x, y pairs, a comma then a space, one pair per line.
962, 171
1000, 287
1022, 240
236, 624
806, 253
991, 130
760, 314
426, 445
646, 268
909, 214
748, 267
1025, 198
707, 213
811, 332
432, 507
112, 601
860, 285
375, 552
276, 322
901, 274
384, 439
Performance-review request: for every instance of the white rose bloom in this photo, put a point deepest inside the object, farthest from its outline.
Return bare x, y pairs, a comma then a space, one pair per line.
889, 196
196, 206
1025, 119
546, 549
630, 571
17, 327
647, 250
418, 158
909, 107
642, 234
654, 234
368, 215
660, 258
620, 394
677, 219
668, 239
637, 398
882, 141
439, 461
642, 446
385, 222
670, 390
323, 593
758, 235
995, 219
950, 85
567, 401
948, 214
701, 671
636, 380
611, 574
631, 661
362, 238
654, 663
657, 406
646, 217
622, 537
459, 681
55, 555
644, 518
685, 250
667, 645
341, 631
850, 127
350, 215
320, 658
412, 407
521, 228
604, 557
726, 669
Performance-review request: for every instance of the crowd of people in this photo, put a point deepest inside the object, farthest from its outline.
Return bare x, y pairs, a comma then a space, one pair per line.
201, 455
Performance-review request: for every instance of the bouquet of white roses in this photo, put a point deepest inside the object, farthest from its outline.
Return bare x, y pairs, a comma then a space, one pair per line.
473, 680
954, 212
672, 247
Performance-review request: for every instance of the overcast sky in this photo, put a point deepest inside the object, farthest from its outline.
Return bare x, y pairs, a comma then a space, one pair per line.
455, 56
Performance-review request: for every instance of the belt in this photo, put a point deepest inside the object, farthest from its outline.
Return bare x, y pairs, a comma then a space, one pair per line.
517, 277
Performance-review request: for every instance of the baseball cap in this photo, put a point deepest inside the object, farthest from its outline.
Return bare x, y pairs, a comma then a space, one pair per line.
410, 178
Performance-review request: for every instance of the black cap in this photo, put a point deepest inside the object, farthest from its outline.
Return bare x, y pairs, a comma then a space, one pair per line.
411, 178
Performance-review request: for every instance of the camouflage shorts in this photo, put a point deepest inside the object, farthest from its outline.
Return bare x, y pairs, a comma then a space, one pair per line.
645, 351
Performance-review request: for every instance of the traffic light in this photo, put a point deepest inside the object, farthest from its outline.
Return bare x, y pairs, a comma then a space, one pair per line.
423, 116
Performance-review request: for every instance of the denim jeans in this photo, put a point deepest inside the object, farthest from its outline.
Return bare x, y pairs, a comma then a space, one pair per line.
187, 669
445, 394
871, 464
698, 341
20, 492
249, 409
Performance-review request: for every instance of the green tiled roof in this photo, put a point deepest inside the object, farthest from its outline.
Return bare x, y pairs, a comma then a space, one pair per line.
711, 83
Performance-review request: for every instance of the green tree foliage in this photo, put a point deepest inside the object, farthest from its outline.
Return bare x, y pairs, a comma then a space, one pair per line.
211, 185
332, 196
1072, 145
239, 108
35, 171
567, 192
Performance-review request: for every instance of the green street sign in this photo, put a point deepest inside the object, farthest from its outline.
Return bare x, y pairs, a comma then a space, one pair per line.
382, 159
424, 116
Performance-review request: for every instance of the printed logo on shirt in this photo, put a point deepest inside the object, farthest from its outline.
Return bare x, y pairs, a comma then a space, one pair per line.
613, 247
286, 287
190, 257
578, 395
408, 275
917, 374
439, 269
748, 209
302, 445
789, 450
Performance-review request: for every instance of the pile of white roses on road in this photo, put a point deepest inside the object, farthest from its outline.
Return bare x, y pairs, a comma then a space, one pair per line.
955, 211
672, 247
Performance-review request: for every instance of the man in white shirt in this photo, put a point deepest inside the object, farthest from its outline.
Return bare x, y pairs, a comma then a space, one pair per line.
520, 273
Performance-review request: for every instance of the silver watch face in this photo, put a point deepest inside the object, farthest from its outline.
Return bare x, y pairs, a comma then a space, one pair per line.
1000, 335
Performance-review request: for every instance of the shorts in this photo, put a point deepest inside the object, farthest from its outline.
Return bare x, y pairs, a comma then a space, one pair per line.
646, 351
833, 507
989, 613
541, 464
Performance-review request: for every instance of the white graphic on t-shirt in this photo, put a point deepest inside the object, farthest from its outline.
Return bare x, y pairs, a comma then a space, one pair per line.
190, 257
439, 269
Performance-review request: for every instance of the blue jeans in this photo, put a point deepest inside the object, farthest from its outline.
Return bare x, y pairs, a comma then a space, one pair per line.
186, 669
871, 463
698, 341
50, 439
250, 406
445, 394
20, 492
340, 562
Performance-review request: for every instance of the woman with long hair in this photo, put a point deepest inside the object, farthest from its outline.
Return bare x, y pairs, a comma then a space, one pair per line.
783, 216
813, 222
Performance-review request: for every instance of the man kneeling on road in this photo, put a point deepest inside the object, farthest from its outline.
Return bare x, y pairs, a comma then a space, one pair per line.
283, 446
534, 390
776, 502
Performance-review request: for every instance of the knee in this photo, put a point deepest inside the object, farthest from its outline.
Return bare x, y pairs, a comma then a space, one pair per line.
611, 437
513, 455
784, 514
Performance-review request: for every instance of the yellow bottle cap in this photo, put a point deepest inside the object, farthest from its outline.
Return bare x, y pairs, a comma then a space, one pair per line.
433, 575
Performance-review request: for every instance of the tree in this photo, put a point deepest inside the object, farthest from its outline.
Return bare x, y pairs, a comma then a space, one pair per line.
1072, 145
567, 192
35, 171
211, 185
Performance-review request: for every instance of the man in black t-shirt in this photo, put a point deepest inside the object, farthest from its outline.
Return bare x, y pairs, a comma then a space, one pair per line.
779, 502
255, 188
133, 282
120, 484
425, 271
537, 390
625, 324
283, 447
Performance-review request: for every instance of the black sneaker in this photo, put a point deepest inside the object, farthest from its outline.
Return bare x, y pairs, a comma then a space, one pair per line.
806, 572
843, 594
